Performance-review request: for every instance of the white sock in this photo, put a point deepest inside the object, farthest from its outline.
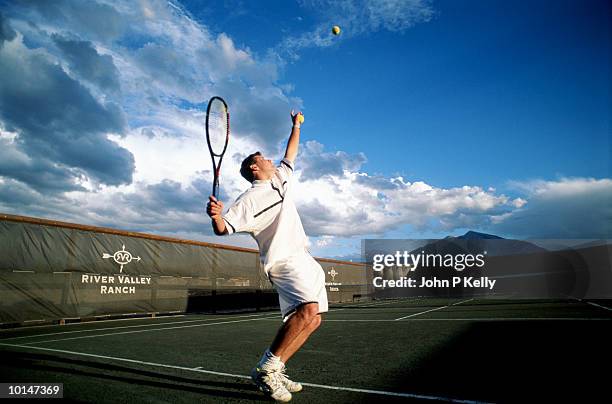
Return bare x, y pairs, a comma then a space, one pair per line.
269, 361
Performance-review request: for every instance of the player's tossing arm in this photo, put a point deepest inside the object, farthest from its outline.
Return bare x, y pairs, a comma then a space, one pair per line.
214, 209
294, 138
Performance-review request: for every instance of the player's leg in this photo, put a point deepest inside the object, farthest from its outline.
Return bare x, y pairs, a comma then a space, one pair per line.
300, 322
289, 338
269, 373
290, 385
297, 343
294, 281
316, 286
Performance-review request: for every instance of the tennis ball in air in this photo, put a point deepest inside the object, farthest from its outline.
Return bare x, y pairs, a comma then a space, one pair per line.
301, 118
336, 30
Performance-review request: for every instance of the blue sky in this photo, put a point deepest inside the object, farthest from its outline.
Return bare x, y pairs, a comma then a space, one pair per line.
423, 118
479, 79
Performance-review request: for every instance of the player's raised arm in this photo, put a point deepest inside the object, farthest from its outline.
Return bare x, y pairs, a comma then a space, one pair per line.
214, 209
294, 138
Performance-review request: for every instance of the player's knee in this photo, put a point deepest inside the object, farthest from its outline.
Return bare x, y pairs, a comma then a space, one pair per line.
309, 311
312, 310
316, 322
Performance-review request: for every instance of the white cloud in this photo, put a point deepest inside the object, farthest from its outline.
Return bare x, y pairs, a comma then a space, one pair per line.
566, 208
162, 67
317, 163
153, 173
356, 18
356, 204
347, 205
324, 241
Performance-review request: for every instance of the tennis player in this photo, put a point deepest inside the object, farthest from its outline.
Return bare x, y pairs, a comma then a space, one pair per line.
267, 212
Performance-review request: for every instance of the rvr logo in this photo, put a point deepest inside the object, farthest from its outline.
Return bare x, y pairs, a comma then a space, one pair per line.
121, 257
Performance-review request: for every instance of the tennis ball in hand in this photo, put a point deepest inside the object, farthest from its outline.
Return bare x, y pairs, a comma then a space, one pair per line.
336, 30
300, 118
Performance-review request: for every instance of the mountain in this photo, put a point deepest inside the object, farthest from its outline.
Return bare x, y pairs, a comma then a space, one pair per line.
471, 242
470, 235
477, 243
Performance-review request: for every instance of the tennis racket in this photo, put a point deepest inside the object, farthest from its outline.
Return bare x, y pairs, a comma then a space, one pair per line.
217, 136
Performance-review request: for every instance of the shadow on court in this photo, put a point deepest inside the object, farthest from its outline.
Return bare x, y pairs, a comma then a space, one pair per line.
532, 361
19, 367
491, 351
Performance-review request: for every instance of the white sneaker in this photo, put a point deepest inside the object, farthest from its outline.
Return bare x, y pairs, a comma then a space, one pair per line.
290, 385
270, 383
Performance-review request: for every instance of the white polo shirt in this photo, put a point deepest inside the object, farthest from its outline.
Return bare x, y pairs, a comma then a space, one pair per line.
267, 212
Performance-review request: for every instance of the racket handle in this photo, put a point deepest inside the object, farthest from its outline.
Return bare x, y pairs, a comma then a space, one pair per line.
215, 190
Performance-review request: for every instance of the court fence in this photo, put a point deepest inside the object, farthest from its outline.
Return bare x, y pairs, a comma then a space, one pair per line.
54, 271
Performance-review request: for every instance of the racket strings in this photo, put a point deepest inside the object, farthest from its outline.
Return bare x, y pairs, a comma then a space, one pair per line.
217, 135
217, 128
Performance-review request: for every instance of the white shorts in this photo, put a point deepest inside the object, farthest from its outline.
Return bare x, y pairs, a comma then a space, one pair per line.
299, 280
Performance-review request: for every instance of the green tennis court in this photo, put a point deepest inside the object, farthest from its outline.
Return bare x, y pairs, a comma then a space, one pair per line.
414, 350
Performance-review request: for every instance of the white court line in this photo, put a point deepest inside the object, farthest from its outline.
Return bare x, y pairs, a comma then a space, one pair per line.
591, 303
427, 311
137, 326
139, 331
391, 393
198, 369
385, 303
465, 301
130, 326
142, 317
162, 328
419, 313
382, 303
6, 330
597, 305
476, 319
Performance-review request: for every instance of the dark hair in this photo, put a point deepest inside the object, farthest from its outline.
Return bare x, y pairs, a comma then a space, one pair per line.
245, 167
